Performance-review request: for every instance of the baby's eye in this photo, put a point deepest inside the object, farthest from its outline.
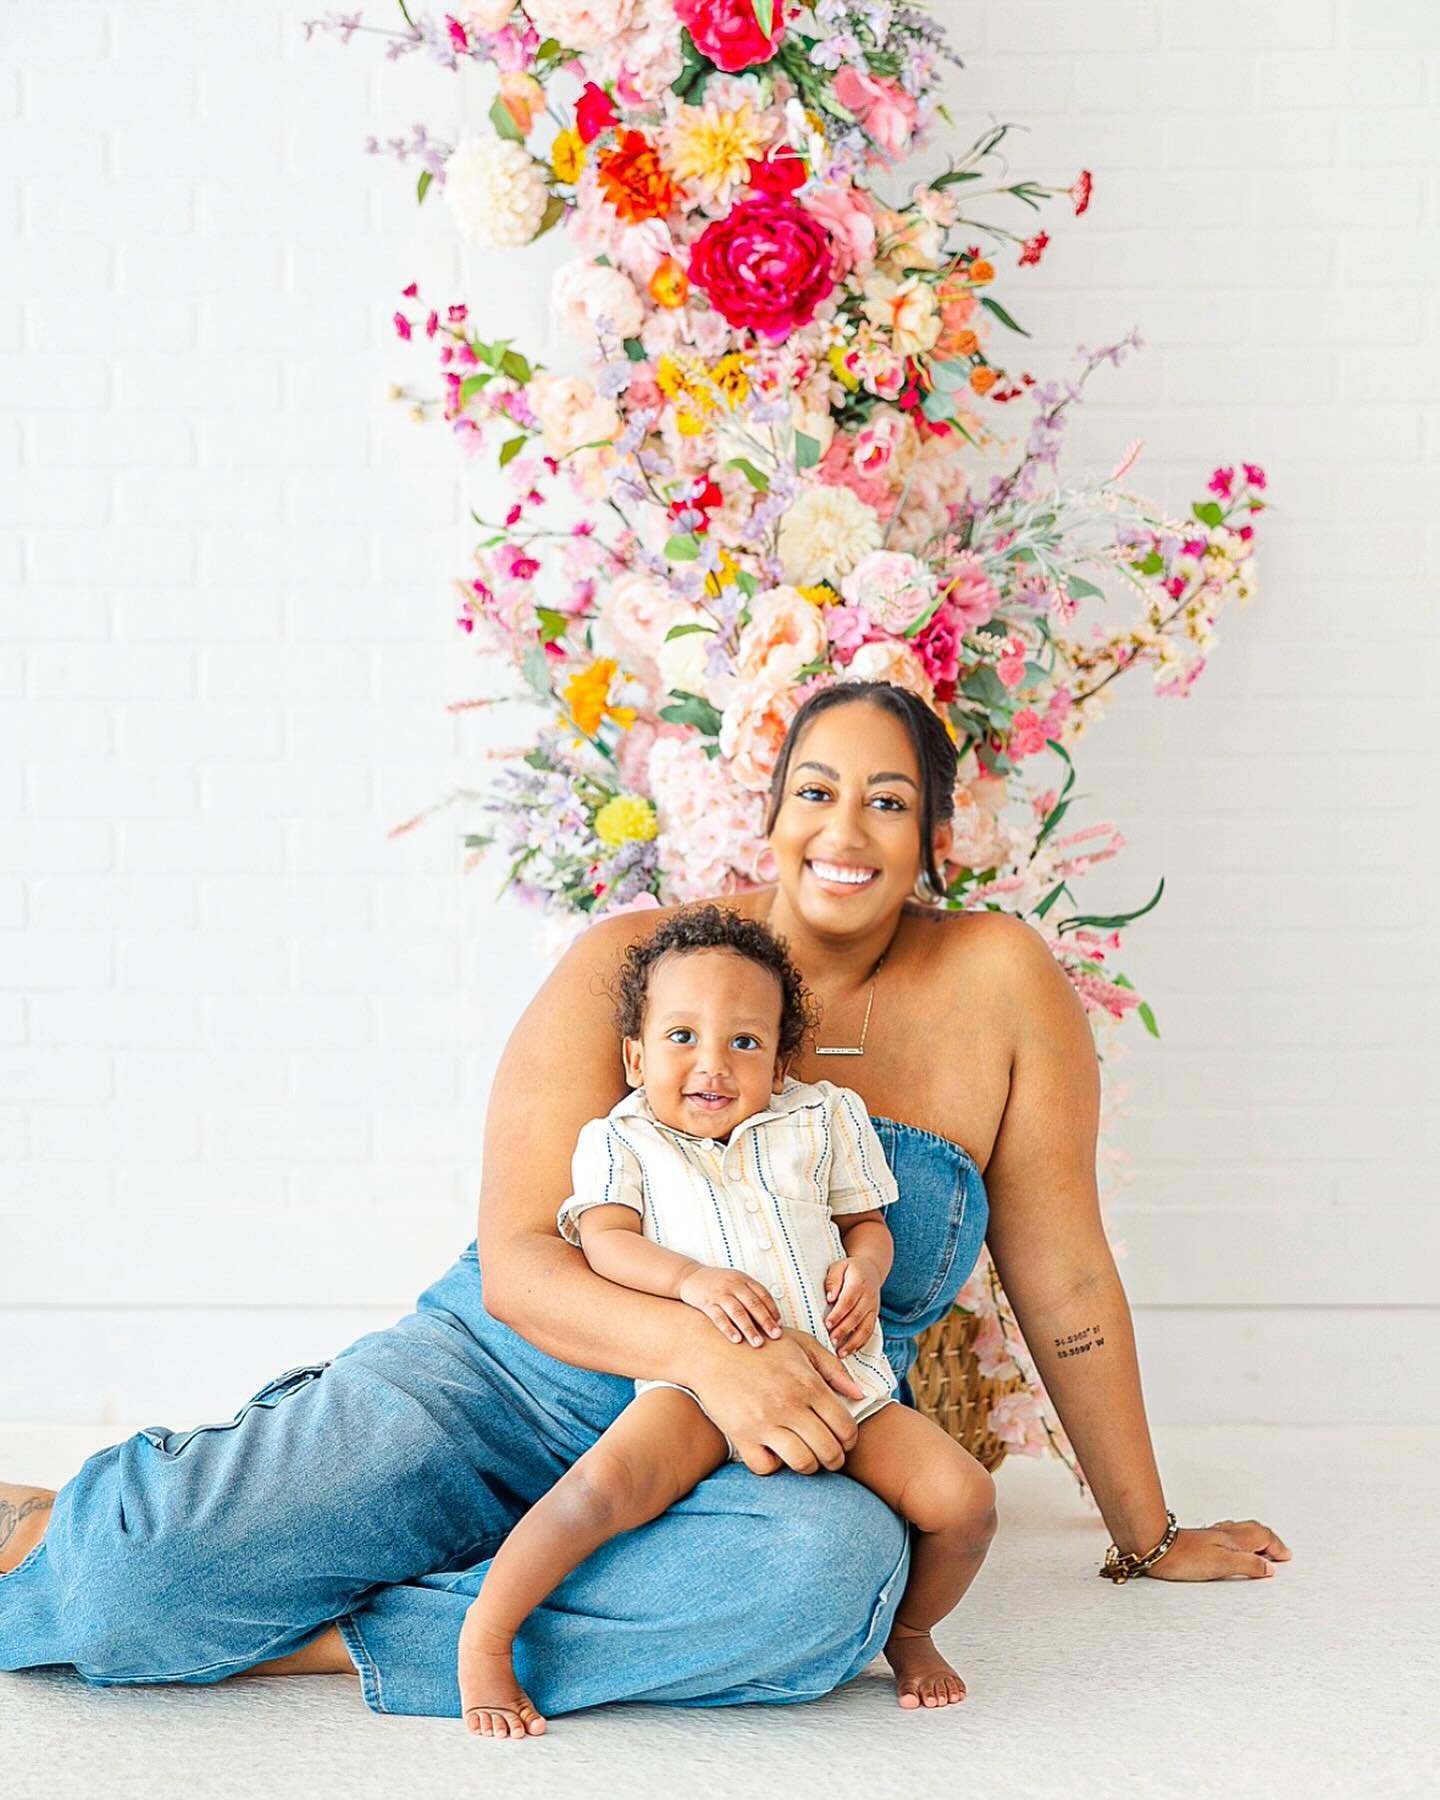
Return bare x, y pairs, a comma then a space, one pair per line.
744, 1041
681, 1034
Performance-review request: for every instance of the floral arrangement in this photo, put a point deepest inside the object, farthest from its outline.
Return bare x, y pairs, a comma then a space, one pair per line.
801, 451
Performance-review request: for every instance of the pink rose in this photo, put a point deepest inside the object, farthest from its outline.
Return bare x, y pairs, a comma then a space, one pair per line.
938, 645
884, 109
570, 412
637, 611
1011, 670
847, 626
845, 213
765, 265
728, 32
893, 588
840, 467
1027, 734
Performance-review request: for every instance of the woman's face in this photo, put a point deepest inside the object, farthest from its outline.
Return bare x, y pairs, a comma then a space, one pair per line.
847, 835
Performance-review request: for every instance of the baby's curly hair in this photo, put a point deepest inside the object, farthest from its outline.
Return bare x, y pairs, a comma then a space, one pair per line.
711, 927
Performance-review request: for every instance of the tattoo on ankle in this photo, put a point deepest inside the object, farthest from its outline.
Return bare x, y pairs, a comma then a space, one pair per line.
1078, 1342
12, 1516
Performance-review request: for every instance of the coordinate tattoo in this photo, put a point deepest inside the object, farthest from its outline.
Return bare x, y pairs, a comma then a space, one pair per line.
1079, 1343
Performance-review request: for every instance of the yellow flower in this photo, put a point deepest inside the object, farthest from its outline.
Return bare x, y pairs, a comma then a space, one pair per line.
567, 155
587, 695
627, 819
712, 147
723, 576
821, 595
730, 379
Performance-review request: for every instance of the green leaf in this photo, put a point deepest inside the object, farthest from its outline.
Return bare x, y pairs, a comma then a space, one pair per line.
535, 667
422, 186
510, 449
513, 364
985, 686
1154, 564
1080, 589
554, 212
1049, 900
471, 386
552, 624
1208, 513
747, 584
504, 125
756, 477
951, 176
807, 450
764, 15
1000, 313
1147, 1018
679, 631
633, 348
1112, 921
692, 709
683, 547
472, 840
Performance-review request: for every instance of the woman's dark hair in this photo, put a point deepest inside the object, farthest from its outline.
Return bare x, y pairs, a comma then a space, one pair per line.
934, 752
710, 927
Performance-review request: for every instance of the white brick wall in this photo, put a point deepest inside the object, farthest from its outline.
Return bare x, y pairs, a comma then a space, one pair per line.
245, 1040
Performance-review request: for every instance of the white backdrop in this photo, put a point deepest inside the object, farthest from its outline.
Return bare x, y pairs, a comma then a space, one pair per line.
245, 1040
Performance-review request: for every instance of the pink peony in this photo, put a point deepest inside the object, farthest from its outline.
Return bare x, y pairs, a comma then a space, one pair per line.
884, 109
847, 626
971, 592
894, 588
728, 32
890, 660
785, 634
570, 412
766, 265
580, 24
1027, 734
752, 729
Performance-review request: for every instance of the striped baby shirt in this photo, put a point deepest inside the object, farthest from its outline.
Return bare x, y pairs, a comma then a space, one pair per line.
765, 1201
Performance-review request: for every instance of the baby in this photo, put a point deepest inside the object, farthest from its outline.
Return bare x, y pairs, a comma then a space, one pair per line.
760, 1201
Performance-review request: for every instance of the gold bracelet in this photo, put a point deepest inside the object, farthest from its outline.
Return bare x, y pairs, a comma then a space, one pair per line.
1119, 1567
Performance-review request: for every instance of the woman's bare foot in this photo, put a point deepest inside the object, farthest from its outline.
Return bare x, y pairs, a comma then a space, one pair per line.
492, 1702
24, 1514
922, 1675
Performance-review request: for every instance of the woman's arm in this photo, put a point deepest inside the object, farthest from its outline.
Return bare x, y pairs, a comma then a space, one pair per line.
560, 1068
1048, 1244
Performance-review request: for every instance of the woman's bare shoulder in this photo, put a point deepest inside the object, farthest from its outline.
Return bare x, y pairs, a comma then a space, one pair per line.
991, 953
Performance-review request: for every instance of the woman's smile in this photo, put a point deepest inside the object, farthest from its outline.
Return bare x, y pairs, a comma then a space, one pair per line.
841, 876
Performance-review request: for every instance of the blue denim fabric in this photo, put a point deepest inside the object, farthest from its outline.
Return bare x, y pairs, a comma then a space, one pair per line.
374, 1488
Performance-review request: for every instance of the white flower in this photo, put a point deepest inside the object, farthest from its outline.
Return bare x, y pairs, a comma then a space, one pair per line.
586, 291
682, 660
496, 192
824, 535
580, 24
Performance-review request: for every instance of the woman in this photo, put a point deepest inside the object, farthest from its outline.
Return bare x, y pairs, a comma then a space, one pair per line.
343, 1519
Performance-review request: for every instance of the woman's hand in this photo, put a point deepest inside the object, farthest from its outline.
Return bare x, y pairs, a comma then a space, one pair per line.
780, 1407
734, 1304
1233, 1547
853, 1290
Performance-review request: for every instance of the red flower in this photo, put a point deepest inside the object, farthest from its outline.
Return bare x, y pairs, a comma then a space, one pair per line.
465, 622
633, 180
1033, 249
765, 265
402, 326
1254, 474
458, 39
432, 324
709, 496
1175, 586
410, 292
777, 176
594, 110
728, 32
1081, 191
1221, 482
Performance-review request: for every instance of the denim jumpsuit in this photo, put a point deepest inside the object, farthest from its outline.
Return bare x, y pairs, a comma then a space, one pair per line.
373, 1489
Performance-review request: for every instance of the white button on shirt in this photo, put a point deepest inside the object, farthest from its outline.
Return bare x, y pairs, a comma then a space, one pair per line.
766, 1204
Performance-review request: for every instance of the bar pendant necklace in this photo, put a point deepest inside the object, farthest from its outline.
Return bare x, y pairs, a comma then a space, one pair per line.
855, 1049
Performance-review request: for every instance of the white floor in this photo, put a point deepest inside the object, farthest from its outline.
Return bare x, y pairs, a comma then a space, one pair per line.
1320, 1681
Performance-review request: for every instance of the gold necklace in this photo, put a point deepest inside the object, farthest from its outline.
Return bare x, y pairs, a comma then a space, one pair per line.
855, 1049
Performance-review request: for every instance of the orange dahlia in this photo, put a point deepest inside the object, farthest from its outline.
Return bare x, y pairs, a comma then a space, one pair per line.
633, 180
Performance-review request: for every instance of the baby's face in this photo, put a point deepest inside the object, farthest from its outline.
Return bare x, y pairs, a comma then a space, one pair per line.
707, 1053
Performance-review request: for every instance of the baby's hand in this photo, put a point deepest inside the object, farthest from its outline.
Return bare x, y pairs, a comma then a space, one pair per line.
854, 1296
734, 1302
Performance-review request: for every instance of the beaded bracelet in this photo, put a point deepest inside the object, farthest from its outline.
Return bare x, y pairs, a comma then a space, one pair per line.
1119, 1567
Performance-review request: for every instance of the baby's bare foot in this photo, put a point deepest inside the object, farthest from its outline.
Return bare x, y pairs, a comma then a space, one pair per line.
492, 1702
922, 1675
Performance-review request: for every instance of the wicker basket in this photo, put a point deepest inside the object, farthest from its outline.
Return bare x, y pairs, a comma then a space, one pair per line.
950, 1389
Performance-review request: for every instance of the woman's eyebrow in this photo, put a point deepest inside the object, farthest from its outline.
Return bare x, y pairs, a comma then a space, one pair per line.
883, 775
